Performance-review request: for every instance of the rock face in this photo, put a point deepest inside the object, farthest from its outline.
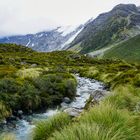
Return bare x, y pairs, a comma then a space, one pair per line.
121, 23
47, 41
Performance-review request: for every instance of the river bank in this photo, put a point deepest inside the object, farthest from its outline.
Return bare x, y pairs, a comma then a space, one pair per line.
85, 88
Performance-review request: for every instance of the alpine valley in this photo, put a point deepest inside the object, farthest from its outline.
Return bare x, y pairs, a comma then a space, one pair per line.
97, 37
74, 82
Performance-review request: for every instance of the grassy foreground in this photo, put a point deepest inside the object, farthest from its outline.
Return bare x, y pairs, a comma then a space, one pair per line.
116, 117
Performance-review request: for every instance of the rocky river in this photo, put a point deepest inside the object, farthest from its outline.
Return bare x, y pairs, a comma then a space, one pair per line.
86, 88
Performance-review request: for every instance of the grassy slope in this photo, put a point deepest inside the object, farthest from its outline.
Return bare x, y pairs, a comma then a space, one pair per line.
128, 50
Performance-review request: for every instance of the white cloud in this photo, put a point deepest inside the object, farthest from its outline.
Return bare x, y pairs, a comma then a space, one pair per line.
30, 16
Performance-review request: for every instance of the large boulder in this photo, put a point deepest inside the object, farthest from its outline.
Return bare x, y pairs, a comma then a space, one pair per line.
73, 112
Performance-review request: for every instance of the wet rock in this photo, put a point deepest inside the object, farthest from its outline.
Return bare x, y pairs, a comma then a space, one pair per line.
97, 94
64, 105
23, 63
73, 112
106, 88
66, 100
20, 112
33, 65
11, 118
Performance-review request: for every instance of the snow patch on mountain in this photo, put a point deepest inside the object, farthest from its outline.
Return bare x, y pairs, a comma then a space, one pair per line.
28, 42
66, 30
40, 35
46, 41
65, 45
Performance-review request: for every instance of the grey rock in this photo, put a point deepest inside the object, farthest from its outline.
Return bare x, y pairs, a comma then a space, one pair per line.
66, 100
20, 112
23, 63
73, 112
33, 65
97, 94
64, 105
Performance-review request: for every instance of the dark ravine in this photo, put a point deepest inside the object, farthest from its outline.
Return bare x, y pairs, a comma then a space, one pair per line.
86, 87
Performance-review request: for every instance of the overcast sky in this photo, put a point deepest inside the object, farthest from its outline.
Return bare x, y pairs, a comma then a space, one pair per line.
30, 16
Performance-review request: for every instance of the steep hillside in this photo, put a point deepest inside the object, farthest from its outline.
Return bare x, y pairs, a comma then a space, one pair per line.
121, 23
128, 50
47, 41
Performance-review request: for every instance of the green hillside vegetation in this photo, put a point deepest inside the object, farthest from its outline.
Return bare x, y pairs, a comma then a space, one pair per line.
128, 50
32, 81
108, 35
14, 48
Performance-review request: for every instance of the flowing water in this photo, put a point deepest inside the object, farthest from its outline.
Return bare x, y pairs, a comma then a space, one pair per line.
25, 126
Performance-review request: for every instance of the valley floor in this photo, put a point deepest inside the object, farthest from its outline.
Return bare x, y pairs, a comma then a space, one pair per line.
23, 77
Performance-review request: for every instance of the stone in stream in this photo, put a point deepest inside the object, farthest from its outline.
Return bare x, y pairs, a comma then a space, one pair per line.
97, 94
73, 112
67, 100
20, 112
64, 105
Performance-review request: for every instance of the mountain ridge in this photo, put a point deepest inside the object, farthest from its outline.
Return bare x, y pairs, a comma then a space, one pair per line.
45, 41
121, 23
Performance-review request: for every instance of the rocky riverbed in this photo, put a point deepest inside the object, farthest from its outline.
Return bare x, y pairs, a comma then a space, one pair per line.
86, 88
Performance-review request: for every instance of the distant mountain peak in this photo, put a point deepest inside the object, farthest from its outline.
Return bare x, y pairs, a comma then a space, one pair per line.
46, 41
65, 30
128, 7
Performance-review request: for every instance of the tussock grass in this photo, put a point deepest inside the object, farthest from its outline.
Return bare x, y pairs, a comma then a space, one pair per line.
44, 129
7, 137
124, 98
29, 73
106, 115
103, 122
93, 132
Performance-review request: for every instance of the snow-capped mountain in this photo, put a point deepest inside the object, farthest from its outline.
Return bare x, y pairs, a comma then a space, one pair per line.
47, 41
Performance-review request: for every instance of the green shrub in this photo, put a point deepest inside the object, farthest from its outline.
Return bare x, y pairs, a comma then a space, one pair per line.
8, 85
